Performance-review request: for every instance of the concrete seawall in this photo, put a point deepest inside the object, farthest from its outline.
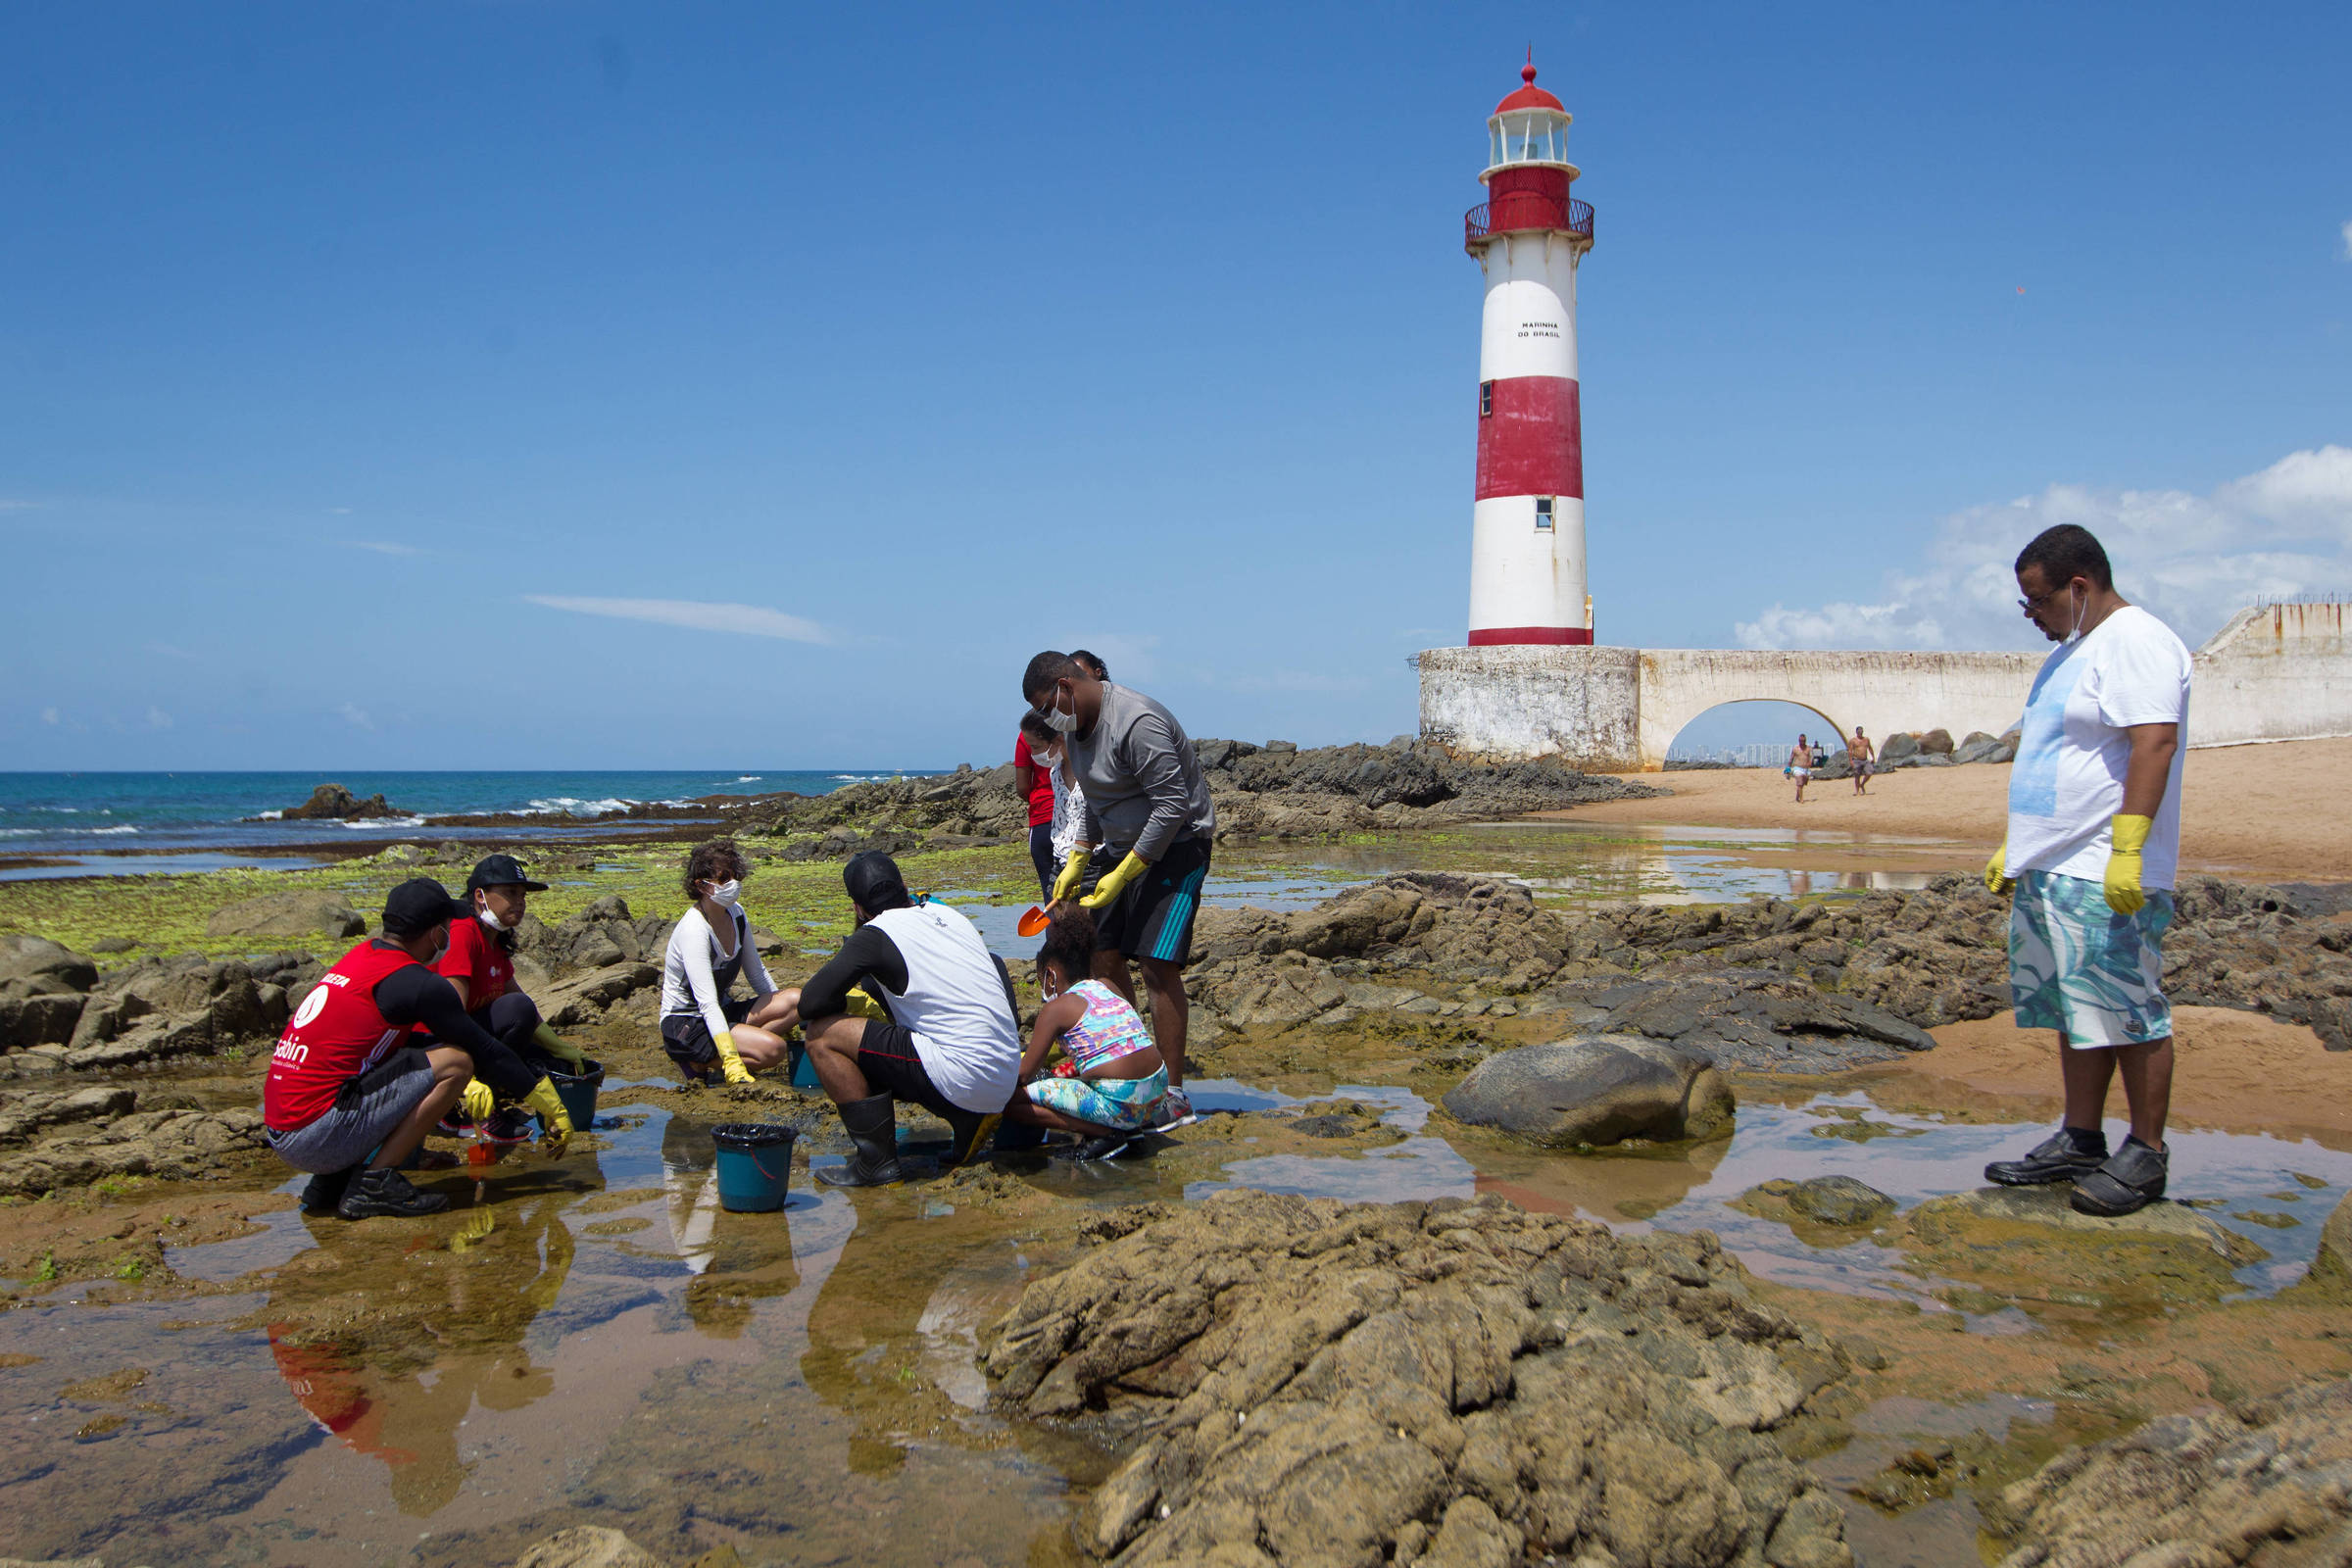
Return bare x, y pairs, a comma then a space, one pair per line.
2275, 672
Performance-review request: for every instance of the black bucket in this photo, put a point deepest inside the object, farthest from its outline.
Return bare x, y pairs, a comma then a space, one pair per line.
755, 1161
577, 1091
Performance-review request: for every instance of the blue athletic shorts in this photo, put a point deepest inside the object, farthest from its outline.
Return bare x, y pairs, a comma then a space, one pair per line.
2076, 966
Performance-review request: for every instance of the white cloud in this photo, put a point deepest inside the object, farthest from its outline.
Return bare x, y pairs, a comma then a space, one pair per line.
27, 506
356, 717
340, 511
157, 719
2192, 560
381, 547
751, 620
49, 715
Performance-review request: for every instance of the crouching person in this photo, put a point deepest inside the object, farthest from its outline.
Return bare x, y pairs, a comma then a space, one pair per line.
350, 1096
951, 1040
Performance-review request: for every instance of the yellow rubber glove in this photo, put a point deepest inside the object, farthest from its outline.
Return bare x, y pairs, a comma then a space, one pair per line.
475, 1102
860, 1004
1997, 880
1114, 881
555, 1045
1072, 873
730, 1063
2122, 881
479, 1223
555, 1122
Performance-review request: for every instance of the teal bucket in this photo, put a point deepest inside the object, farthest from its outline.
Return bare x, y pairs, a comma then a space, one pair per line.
754, 1160
804, 1068
577, 1091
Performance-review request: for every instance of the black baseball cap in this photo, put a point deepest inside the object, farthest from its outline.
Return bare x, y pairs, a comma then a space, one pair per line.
875, 883
502, 871
418, 906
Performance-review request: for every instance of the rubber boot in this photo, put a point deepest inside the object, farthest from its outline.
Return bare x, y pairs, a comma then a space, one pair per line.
872, 1124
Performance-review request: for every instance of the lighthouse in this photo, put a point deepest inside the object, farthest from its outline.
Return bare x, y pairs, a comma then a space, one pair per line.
1526, 534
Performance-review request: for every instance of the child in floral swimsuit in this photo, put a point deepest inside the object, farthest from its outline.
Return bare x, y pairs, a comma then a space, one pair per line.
1111, 1088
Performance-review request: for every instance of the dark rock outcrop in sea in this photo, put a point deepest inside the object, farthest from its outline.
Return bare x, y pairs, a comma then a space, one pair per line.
334, 802
1327, 1384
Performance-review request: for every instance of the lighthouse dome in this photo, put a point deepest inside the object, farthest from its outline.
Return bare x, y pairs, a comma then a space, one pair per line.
1529, 95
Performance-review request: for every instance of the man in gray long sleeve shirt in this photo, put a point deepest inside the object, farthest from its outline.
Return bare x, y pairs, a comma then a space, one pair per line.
1147, 801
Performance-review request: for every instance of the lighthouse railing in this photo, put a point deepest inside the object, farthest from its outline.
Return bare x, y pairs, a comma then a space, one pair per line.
1528, 209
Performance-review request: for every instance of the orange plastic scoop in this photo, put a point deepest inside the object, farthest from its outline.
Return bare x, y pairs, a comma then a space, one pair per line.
1034, 923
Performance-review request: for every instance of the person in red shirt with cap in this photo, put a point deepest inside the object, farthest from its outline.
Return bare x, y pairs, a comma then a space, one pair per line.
480, 966
1033, 776
351, 1093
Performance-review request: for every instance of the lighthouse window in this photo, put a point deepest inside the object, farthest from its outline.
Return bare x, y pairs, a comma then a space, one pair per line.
1543, 513
1486, 400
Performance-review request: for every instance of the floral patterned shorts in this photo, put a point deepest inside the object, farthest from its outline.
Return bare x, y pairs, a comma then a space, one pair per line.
1123, 1105
2076, 966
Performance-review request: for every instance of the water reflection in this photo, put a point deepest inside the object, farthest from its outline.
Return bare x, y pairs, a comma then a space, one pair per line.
389, 1341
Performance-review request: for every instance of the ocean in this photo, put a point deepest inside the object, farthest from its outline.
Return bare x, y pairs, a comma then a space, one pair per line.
92, 822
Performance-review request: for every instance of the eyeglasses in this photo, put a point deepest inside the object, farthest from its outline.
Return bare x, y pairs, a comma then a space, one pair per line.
2033, 604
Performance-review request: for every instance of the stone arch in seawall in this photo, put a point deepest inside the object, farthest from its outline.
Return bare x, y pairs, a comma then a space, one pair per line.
1830, 735
1882, 692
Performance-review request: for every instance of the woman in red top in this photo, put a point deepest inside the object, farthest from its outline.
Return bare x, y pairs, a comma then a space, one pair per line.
481, 965
1033, 778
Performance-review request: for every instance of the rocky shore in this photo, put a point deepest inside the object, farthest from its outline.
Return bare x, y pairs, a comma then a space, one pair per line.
1273, 791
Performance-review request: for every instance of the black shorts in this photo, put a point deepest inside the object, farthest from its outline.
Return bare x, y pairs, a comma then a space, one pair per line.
688, 1039
1152, 915
894, 1068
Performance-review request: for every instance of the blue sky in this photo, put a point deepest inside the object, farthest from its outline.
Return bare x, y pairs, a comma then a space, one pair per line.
355, 360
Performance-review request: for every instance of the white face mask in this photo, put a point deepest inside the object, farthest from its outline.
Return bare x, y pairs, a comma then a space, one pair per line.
1060, 722
489, 917
727, 894
1051, 757
2081, 608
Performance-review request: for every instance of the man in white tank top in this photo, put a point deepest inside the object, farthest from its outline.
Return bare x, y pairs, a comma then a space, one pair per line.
950, 1040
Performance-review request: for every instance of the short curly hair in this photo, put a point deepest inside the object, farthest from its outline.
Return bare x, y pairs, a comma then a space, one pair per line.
715, 860
1069, 943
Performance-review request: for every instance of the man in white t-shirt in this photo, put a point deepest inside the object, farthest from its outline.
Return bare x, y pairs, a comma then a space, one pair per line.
2094, 841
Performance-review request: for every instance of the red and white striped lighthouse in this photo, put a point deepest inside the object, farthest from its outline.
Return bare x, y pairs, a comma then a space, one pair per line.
1527, 549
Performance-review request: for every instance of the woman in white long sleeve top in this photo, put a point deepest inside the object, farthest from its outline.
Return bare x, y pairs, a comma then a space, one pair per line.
705, 1031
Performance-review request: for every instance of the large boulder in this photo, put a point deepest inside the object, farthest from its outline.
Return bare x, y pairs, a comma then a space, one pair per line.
332, 801
1899, 747
1936, 742
35, 966
295, 913
1439, 1383
1597, 1089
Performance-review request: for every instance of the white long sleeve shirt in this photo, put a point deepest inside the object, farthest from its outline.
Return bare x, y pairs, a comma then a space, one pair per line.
691, 966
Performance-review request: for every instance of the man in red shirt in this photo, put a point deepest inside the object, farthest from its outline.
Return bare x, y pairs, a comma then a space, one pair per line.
1035, 779
480, 966
351, 1093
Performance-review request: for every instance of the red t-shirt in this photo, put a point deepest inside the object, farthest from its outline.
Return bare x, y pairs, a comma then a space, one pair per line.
476, 958
333, 1037
1041, 782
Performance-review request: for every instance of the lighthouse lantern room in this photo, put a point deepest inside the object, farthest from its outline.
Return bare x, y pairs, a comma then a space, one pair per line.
1527, 554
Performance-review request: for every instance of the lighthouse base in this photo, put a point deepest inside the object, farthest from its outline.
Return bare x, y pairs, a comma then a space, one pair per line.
1532, 636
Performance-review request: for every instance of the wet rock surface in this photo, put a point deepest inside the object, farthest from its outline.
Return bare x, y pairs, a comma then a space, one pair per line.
1597, 1089
2269, 1483
1838, 1201
1321, 1383
295, 913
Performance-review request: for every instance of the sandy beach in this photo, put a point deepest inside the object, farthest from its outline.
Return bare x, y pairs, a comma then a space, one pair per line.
2280, 813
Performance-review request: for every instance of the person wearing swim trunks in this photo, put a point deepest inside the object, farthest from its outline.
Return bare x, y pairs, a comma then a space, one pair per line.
950, 1035
1858, 751
2094, 846
707, 1032
1146, 810
1799, 767
1115, 1079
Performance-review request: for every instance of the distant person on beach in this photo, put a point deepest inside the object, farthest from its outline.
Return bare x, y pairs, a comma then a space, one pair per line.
1114, 1079
350, 1093
705, 1030
479, 964
1035, 781
2094, 840
1799, 767
950, 1040
1858, 752
1146, 803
